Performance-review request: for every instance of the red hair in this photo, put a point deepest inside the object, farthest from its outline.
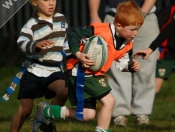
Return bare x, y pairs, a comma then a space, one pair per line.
128, 13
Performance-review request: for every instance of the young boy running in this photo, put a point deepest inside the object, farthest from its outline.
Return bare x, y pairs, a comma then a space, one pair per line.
128, 20
43, 39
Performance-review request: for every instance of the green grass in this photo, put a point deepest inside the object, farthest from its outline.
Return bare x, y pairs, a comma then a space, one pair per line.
160, 121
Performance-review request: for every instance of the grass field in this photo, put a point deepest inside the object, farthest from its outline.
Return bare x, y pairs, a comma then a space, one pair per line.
160, 121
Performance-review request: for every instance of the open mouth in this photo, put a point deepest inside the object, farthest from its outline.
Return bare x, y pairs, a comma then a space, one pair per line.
51, 9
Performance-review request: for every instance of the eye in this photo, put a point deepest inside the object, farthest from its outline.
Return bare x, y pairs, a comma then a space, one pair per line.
133, 30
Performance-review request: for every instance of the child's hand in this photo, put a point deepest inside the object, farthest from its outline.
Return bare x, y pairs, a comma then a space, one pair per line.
84, 59
44, 44
143, 53
135, 65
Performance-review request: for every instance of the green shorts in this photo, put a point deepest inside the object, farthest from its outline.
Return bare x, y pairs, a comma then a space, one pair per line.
93, 87
164, 68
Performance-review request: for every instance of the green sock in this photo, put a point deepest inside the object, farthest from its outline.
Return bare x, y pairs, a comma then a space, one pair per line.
52, 112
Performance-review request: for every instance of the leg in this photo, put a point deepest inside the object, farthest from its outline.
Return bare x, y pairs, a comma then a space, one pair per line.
159, 82
23, 113
54, 111
88, 110
120, 82
46, 112
104, 116
58, 87
144, 80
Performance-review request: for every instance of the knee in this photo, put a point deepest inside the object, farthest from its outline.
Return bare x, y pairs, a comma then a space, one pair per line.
89, 114
62, 96
63, 93
24, 112
110, 102
88, 117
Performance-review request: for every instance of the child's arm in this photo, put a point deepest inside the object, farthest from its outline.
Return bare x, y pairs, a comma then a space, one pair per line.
25, 41
43, 44
127, 64
166, 33
145, 53
84, 59
28, 45
135, 65
74, 40
75, 37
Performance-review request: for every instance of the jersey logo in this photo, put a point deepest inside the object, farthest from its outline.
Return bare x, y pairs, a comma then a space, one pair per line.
63, 25
102, 82
162, 72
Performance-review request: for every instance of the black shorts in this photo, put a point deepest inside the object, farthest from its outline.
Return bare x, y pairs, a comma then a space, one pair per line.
32, 87
90, 103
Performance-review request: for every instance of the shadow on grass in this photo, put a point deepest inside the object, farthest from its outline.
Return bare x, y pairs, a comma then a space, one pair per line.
144, 128
2, 119
156, 128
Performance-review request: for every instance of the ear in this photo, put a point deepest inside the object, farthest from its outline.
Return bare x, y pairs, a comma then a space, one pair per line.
34, 3
118, 26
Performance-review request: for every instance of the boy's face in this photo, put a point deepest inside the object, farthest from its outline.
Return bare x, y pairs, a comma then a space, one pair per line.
128, 32
45, 8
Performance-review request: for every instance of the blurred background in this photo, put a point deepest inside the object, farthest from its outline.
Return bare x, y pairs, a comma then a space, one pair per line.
76, 12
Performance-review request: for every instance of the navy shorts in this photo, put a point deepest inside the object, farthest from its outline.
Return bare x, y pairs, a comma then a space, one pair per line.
32, 87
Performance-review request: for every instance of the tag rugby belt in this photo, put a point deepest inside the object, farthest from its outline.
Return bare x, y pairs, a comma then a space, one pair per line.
16, 80
25, 65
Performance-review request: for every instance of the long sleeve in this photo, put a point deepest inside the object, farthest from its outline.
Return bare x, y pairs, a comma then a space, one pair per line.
37, 30
25, 40
167, 32
75, 37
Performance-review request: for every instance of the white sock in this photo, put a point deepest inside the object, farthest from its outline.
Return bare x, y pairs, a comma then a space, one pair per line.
63, 111
98, 129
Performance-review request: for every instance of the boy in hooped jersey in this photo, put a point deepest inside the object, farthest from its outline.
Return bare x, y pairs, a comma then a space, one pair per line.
119, 37
43, 39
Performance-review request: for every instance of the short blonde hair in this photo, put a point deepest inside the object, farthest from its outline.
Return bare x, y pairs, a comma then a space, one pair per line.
128, 13
31, 1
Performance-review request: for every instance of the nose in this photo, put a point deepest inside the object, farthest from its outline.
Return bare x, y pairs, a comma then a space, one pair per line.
135, 32
51, 2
